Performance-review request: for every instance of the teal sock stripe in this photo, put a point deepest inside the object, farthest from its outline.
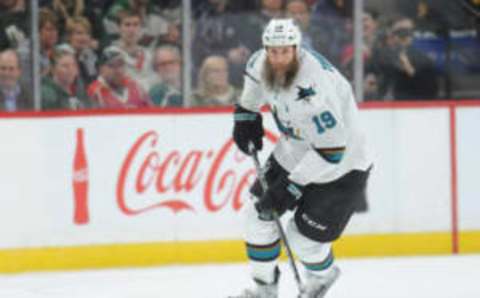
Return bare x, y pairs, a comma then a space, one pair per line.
264, 253
322, 265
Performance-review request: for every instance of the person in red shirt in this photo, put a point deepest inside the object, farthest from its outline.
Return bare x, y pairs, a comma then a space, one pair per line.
113, 88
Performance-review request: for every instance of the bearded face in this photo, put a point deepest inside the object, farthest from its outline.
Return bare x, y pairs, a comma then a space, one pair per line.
281, 66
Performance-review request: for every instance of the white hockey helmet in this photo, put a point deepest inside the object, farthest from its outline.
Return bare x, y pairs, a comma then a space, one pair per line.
281, 33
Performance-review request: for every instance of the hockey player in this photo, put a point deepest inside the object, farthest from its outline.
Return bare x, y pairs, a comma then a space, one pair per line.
319, 167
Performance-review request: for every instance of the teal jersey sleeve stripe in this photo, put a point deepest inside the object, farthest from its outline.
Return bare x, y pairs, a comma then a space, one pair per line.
245, 117
332, 155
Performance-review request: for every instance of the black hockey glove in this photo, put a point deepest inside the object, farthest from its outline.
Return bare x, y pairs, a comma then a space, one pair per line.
247, 128
280, 196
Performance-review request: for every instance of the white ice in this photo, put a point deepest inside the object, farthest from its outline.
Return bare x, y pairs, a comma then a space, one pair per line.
436, 277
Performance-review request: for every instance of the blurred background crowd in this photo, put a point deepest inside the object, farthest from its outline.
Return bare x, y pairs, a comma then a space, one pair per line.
131, 53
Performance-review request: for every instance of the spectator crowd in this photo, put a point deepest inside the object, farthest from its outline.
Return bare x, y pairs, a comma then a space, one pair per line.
128, 53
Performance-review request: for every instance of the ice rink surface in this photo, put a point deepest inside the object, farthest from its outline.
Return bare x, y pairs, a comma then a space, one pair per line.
435, 277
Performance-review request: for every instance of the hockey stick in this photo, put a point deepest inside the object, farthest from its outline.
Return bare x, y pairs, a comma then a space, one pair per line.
283, 236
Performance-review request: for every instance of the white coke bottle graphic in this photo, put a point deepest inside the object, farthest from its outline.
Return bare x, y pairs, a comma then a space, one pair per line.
80, 181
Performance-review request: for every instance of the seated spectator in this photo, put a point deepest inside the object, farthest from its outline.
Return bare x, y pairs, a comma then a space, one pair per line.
13, 95
172, 36
64, 89
214, 88
166, 91
79, 36
48, 38
138, 59
153, 25
15, 32
93, 10
408, 72
48, 27
113, 88
66, 10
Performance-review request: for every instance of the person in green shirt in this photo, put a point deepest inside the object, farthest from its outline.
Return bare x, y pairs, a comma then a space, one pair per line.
165, 90
63, 89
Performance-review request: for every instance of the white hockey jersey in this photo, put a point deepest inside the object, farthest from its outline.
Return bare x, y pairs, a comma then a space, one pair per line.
317, 116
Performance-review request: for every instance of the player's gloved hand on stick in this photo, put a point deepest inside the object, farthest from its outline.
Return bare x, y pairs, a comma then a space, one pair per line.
283, 194
247, 128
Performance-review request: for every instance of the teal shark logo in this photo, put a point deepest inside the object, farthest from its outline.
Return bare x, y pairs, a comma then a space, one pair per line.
305, 93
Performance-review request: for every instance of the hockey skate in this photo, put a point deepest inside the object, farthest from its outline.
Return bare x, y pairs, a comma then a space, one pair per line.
317, 286
262, 290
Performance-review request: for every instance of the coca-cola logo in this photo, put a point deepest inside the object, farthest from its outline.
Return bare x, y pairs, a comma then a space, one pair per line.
153, 176
80, 175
